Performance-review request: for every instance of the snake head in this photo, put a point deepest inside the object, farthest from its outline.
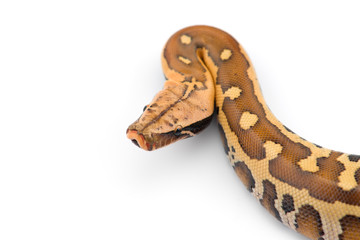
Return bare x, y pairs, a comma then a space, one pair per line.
170, 117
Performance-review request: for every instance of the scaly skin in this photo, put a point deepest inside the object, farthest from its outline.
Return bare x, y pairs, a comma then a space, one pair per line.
313, 190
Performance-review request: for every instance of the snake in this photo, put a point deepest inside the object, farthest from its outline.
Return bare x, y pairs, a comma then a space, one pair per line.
311, 189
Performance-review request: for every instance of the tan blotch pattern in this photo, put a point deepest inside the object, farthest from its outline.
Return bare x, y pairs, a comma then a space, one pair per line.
272, 149
185, 39
347, 179
185, 60
232, 93
248, 120
225, 54
309, 164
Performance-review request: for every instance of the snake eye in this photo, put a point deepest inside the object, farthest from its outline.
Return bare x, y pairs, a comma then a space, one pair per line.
145, 108
178, 131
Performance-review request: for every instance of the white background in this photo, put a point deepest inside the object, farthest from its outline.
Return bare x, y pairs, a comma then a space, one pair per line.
74, 74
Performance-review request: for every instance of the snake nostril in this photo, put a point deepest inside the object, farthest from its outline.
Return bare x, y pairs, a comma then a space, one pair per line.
135, 142
138, 139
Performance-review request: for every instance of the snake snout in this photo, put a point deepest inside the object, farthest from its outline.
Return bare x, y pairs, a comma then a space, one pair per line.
138, 139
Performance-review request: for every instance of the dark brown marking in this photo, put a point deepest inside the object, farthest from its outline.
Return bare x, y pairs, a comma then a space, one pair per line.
357, 176
154, 105
350, 226
317, 145
308, 222
288, 129
199, 126
288, 203
245, 175
354, 158
269, 197
224, 140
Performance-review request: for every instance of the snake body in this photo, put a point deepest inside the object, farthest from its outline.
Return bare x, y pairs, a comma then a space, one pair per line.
311, 189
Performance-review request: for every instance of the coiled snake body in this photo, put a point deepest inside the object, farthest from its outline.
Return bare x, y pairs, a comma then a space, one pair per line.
313, 190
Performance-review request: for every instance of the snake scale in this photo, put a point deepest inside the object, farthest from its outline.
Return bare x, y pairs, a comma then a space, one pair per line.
311, 189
